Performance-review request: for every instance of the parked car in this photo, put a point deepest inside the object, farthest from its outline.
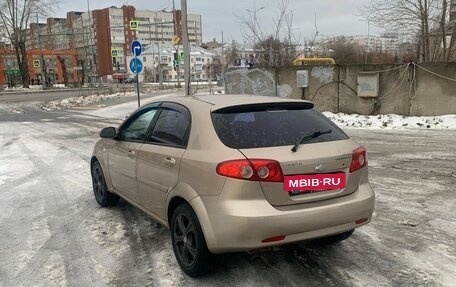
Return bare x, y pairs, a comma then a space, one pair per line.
130, 80
230, 173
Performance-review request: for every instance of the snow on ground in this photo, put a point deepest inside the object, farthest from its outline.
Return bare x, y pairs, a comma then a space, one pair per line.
122, 111
54, 234
31, 88
21, 88
392, 121
81, 101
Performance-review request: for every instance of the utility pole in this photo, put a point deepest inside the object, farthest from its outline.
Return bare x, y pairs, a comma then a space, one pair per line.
85, 78
186, 47
153, 50
43, 68
222, 61
177, 46
368, 39
160, 71
94, 64
254, 12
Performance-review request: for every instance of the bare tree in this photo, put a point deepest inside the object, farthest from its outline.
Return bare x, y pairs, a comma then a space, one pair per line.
443, 29
213, 70
230, 55
345, 51
451, 52
148, 74
273, 45
64, 69
15, 16
423, 19
447, 31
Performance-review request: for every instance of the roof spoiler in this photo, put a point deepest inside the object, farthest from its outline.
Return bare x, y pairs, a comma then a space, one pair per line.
301, 105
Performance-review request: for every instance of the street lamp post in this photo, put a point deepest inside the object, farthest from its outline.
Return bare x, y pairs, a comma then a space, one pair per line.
368, 39
43, 67
186, 45
177, 46
153, 50
254, 12
8, 73
160, 71
94, 64
222, 61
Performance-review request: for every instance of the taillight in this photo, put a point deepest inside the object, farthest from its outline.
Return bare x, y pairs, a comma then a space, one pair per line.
252, 169
359, 159
273, 239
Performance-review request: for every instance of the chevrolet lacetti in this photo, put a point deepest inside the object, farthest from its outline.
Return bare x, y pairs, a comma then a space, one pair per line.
230, 173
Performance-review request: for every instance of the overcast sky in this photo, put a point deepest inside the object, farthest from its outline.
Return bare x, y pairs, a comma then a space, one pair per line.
334, 17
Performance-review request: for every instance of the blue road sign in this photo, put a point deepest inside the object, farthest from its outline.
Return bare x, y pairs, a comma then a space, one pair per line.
136, 48
136, 65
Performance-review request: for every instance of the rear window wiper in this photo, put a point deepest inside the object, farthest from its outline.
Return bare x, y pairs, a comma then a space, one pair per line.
308, 137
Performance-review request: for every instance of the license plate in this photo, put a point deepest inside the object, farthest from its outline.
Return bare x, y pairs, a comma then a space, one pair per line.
314, 182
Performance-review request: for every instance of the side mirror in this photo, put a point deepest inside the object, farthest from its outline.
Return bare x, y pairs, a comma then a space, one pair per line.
108, 133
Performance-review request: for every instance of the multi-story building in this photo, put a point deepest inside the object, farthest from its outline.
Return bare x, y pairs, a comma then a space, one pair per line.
159, 59
237, 54
59, 36
54, 34
386, 43
113, 35
453, 11
102, 37
59, 65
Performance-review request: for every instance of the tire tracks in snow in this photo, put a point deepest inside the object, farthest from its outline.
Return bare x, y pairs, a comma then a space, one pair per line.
62, 219
151, 251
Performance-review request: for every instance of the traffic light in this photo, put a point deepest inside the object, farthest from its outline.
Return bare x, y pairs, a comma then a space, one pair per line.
181, 56
115, 64
175, 61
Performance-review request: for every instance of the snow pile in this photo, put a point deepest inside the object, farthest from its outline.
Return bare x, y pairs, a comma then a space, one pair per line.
392, 121
31, 88
59, 86
80, 101
20, 88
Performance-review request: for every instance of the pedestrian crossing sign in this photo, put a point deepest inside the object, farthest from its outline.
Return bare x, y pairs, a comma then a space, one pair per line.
134, 25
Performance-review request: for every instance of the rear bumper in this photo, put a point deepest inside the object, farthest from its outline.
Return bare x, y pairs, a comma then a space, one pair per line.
239, 225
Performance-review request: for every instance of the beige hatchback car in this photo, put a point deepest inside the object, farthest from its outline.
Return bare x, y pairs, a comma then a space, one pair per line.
230, 173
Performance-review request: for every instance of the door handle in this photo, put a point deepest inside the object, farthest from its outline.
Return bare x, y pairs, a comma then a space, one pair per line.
131, 154
170, 161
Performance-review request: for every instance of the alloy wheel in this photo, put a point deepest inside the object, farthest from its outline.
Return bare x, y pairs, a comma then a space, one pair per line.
185, 239
98, 182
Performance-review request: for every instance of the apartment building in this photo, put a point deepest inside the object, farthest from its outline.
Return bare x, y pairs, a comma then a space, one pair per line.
453, 11
113, 35
59, 65
240, 55
158, 59
54, 34
101, 38
386, 43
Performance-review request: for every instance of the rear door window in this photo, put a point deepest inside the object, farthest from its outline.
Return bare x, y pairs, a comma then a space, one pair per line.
270, 125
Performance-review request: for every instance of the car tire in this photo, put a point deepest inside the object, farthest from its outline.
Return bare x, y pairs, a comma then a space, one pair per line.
336, 238
188, 242
100, 189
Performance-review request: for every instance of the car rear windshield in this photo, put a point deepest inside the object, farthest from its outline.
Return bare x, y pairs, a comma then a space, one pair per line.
269, 125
